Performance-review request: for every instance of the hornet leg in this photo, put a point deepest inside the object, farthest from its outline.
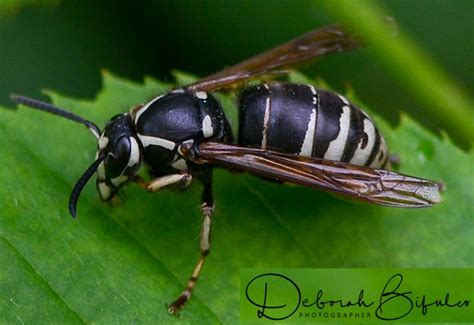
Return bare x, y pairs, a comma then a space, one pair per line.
182, 180
207, 208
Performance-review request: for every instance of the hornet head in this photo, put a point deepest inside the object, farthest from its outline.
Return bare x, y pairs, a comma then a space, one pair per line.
122, 156
118, 156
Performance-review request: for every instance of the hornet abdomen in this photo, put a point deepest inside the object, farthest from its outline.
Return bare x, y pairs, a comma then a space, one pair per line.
303, 120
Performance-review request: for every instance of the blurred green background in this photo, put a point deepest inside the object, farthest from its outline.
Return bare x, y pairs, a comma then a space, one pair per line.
62, 45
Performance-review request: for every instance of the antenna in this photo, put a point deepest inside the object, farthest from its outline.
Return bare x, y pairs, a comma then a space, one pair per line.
45, 107
76, 191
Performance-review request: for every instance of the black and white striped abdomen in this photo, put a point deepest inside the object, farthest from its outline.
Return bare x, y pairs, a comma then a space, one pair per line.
302, 120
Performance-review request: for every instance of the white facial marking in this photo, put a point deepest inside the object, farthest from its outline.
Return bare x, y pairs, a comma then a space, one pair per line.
307, 147
134, 153
336, 147
149, 141
145, 107
101, 171
119, 180
361, 155
103, 142
201, 95
207, 128
105, 190
344, 100
266, 117
266, 86
180, 164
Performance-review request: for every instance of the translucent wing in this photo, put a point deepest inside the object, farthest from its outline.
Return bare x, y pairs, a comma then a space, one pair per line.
326, 40
371, 185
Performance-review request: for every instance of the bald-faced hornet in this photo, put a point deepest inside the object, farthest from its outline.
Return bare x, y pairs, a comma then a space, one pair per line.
287, 132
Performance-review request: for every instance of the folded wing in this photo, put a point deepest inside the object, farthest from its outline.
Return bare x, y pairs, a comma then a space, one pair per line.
376, 186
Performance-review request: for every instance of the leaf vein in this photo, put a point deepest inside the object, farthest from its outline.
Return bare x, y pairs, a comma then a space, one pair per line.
56, 294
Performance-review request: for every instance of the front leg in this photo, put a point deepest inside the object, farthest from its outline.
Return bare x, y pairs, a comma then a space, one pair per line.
207, 208
181, 180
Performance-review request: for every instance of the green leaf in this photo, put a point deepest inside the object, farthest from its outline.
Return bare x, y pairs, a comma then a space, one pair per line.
11, 7
125, 263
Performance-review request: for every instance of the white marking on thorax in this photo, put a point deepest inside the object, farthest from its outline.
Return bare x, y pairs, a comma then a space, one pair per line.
134, 153
155, 141
266, 118
361, 155
144, 108
307, 146
103, 142
344, 100
336, 147
207, 128
201, 95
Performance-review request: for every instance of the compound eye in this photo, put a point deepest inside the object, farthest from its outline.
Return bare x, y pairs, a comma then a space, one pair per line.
122, 149
117, 160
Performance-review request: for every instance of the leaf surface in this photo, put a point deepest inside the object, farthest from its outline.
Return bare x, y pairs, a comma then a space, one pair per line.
124, 263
